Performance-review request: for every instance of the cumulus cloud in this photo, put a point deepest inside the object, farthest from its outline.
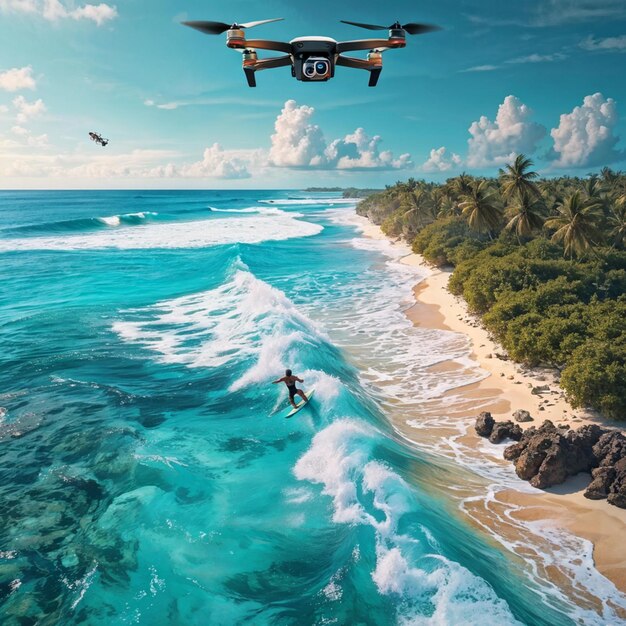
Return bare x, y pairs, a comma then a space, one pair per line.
27, 110
585, 137
298, 143
608, 43
439, 161
16, 79
512, 133
216, 163
54, 10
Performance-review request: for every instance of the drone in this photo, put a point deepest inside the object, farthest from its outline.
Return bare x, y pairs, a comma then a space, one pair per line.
312, 59
97, 137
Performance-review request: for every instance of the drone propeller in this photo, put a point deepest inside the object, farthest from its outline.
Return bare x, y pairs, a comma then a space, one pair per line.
217, 28
411, 28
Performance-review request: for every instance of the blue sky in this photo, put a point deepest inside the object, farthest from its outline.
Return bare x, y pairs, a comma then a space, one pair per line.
544, 78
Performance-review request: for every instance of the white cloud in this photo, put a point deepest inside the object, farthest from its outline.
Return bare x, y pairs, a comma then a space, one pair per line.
512, 133
17, 78
20, 130
608, 43
558, 12
439, 161
27, 110
585, 137
99, 14
538, 58
298, 143
54, 10
481, 68
215, 163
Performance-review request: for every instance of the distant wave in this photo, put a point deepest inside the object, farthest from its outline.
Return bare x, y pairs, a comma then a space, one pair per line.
192, 234
310, 201
260, 210
86, 223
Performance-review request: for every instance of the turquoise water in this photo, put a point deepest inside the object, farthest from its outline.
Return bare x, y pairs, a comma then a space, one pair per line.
147, 475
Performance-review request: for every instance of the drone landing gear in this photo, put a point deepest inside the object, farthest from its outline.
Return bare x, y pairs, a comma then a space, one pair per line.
250, 77
374, 76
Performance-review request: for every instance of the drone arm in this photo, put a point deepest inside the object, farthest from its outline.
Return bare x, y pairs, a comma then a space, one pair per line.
357, 64
264, 44
251, 67
360, 64
268, 64
368, 44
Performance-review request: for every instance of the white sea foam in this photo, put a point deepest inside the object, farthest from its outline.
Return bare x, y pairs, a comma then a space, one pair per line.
311, 201
116, 220
339, 460
260, 210
193, 234
243, 318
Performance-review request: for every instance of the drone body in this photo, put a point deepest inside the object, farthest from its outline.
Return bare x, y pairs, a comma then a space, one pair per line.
97, 137
312, 59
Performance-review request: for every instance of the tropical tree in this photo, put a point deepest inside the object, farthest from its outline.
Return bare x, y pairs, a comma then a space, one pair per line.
525, 215
417, 210
617, 222
516, 178
576, 224
481, 207
461, 185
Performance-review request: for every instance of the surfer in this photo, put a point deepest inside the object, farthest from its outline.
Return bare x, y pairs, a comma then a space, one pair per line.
290, 380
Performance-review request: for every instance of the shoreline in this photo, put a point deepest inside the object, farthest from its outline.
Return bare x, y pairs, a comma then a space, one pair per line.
507, 387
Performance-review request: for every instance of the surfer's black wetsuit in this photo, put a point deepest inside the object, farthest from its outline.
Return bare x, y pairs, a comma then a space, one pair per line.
292, 390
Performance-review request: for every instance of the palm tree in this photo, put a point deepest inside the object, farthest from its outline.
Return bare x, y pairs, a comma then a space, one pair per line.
592, 188
516, 178
609, 177
526, 215
461, 185
417, 210
481, 207
617, 220
576, 224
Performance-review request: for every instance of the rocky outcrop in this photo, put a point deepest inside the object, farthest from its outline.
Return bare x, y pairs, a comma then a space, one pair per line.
547, 455
484, 424
505, 430
522, 416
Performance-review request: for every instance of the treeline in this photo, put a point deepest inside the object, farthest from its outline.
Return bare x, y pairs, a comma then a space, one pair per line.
541, 260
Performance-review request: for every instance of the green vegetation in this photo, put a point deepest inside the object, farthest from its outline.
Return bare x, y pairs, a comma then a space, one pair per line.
542, 261
349, 192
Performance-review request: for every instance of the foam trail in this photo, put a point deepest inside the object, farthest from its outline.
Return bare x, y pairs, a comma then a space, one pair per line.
339, 459
244, 318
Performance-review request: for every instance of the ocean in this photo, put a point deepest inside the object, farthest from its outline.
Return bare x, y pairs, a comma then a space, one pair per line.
147, 472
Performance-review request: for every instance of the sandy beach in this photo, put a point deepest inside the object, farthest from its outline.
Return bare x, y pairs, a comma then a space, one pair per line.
507, 387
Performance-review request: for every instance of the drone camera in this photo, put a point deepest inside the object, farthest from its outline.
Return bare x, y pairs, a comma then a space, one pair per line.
316, 68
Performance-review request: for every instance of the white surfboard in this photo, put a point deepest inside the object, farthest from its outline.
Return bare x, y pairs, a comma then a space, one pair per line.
308, 394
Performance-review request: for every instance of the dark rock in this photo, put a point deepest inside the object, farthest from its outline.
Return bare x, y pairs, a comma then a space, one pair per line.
610, 448
512, 452
537, 391
522, 416
598, 488
505, 430
617, 490
484, 424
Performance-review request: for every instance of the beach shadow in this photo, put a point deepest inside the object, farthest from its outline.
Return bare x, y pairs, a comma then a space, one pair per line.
574, 484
